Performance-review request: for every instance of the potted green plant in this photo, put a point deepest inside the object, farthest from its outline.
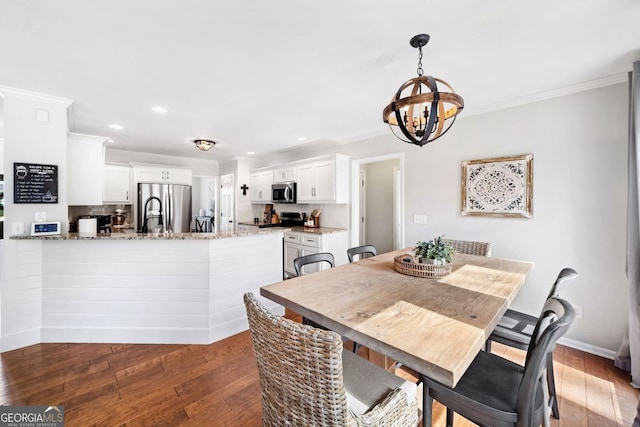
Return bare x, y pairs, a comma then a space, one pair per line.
434, 251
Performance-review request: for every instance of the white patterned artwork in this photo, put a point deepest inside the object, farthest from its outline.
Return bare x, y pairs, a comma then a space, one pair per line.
499, 187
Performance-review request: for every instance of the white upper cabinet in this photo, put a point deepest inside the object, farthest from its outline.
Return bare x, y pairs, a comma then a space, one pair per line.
325, 180
284, 175
116, 184
85, 162
162, 174
260, 186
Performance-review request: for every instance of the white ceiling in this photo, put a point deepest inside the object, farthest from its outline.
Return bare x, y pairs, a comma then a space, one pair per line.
256, 75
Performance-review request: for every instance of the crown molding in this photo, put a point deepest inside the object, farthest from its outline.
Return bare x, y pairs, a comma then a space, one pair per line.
35, 96
542, 96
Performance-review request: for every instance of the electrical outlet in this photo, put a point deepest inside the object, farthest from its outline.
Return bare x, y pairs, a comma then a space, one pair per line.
17, 228
419, 219
578, 309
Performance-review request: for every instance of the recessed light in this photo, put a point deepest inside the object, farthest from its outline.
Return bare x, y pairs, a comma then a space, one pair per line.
160, 110
251, 153
110, 141
116, 126
302, 138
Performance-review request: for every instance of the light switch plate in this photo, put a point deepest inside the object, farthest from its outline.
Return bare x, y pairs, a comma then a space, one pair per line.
40, 216
419, 219
17, 228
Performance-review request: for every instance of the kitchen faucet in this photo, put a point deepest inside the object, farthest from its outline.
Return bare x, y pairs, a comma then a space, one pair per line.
144, 211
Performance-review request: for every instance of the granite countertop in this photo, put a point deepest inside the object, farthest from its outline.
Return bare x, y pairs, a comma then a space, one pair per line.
316, 230
155, 236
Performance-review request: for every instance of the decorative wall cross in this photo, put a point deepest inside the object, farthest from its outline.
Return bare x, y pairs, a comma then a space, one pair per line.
244, 189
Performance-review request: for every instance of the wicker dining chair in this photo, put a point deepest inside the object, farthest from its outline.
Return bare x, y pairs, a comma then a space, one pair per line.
469, 247
307, 379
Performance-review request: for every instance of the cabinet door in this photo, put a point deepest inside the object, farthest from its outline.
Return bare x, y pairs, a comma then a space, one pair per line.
85, 163
284, 175
316, 266
116, 184
306, 183
325, 189
260, 186
150, 175
177, 176
291, 252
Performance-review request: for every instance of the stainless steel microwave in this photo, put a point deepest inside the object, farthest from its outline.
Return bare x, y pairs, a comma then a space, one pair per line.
284, 192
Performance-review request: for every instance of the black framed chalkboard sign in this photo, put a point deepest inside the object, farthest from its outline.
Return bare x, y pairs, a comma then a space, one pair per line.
34, 183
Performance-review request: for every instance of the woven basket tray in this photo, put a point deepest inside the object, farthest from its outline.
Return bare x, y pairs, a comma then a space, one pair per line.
406, 264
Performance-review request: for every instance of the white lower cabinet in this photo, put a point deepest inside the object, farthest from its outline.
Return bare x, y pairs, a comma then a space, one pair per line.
301, 243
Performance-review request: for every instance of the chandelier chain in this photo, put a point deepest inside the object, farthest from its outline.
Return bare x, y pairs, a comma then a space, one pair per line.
420, 70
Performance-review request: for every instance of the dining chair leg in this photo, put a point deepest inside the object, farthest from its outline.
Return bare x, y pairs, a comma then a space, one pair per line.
449, 417
552, 387
546, 409
427, 407
487, 346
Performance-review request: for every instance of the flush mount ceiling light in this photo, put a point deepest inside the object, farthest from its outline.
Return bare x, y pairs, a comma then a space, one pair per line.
419, 110
159, 109
204, 144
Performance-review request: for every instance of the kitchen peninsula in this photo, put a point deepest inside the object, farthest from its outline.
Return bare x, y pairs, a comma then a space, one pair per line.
145, 288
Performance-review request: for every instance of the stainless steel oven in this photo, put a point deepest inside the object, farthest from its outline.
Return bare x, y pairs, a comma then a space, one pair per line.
284, 192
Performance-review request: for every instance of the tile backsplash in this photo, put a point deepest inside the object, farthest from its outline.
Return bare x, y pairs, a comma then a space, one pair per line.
76, 211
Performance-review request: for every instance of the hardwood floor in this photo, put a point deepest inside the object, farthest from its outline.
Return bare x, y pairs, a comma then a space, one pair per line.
218, 385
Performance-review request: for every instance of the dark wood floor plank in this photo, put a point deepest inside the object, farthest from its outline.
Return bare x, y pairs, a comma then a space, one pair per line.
218, 384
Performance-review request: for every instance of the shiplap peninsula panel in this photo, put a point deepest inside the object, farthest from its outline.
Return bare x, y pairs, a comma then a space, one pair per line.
24, 262
237, 266
125, 291
153, 291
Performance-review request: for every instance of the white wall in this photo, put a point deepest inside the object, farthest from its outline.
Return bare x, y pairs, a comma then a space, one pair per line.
579, 147
28, 139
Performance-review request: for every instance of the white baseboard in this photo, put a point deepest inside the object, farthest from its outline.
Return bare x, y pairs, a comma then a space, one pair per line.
127, 335
588, 348
21, 339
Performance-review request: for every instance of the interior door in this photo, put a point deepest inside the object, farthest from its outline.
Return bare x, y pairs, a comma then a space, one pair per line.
226, 203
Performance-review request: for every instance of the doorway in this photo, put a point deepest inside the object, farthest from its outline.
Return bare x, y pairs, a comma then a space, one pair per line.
377, 215
226, 203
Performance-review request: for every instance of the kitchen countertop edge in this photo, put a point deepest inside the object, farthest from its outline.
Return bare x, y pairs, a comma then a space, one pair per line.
155, 236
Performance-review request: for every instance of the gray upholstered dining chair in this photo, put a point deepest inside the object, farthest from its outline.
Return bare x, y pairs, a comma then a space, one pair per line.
497, 392
470, 247
307, 379
361, 251
515, 330
303, 260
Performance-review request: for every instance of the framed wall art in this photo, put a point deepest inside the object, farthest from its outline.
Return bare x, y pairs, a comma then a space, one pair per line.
500, 187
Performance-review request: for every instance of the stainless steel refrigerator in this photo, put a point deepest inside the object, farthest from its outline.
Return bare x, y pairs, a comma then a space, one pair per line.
163, 208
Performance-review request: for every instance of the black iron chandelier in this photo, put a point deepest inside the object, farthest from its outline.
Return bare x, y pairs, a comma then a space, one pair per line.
419, 110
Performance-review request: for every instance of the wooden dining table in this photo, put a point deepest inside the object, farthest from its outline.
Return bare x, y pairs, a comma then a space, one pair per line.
434, 326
